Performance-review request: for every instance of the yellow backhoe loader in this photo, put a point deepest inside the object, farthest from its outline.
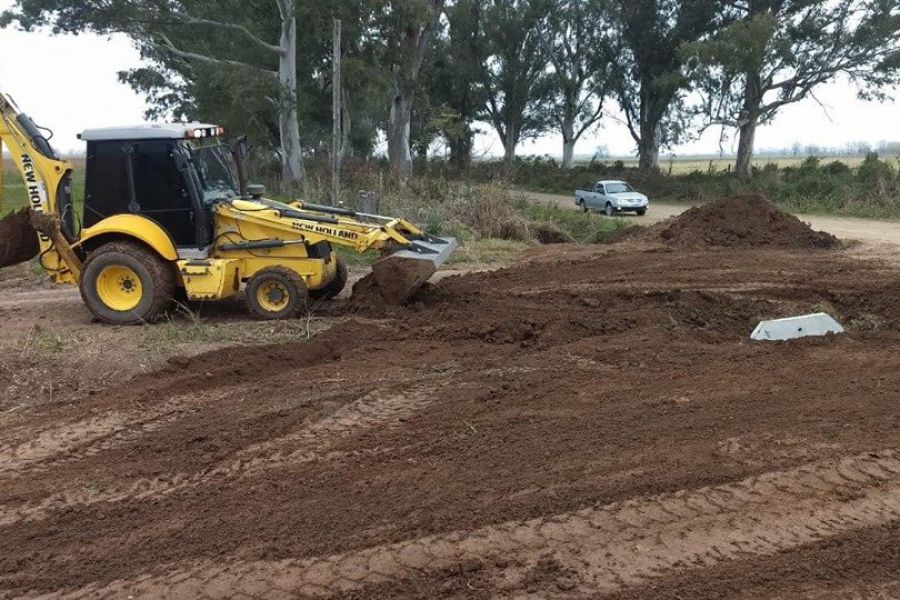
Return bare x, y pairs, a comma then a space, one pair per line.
167, 208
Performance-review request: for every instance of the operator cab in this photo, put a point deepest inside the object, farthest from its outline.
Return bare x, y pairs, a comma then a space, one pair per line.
170, 173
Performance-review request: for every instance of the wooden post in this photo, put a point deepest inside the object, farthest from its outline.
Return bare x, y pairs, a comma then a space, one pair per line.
336, 116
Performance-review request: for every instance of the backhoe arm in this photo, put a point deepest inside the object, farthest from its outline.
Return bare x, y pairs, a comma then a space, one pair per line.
47, 185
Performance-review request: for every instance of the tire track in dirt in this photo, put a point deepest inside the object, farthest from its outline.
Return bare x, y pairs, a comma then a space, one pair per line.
608, 548
312, 442
87, 437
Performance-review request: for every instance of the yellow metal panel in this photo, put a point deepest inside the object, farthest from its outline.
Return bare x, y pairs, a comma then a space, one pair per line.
135, 226
313, 271
212, 280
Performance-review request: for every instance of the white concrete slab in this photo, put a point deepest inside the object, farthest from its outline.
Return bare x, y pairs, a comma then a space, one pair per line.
796, 327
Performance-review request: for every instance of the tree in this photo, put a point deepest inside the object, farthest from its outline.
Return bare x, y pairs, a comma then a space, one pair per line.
230, 37
514, 75
405, 31
454, 82
649, 85
574, 36
777, 52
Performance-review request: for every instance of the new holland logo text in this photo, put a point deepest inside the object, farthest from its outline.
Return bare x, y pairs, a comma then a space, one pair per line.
329, 231
37, 195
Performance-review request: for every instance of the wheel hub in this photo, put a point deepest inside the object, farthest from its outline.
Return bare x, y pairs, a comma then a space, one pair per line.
119, 288
273, 296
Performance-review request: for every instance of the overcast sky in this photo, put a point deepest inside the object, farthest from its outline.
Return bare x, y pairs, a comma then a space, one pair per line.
69, 83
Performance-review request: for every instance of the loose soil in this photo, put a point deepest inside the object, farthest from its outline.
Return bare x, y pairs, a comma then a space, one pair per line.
740, 222
18, 240
590, 422
399, 278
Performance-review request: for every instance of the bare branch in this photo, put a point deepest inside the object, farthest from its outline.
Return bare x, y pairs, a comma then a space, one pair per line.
427, 33
189, 20
590, 121
168, 45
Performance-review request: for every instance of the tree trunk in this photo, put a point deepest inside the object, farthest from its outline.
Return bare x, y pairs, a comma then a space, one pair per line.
399, 136
567, 125
747, 139
509, 144
747, 129
346, 125
648, 147
292, 172
461, 149
568, 133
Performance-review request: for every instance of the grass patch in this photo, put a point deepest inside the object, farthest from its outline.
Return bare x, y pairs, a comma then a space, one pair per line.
352, 258
489, 251
583, 228
474, 213
42, 342
175, 331
186, 329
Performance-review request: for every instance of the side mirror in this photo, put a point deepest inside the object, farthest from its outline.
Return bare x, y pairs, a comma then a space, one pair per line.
256, 190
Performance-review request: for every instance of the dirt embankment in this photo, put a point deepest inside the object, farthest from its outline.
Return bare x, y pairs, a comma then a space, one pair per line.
18, 240
573, 426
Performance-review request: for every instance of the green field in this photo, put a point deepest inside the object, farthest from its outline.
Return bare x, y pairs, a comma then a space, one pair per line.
13, 197
680, 166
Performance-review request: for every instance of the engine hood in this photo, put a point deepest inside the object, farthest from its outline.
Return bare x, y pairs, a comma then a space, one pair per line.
629, 196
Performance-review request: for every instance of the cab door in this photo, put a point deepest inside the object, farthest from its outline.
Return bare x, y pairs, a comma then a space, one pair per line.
160, 191
599, 197
140, 177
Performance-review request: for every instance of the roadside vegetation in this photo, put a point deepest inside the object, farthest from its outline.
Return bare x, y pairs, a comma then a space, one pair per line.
870, 189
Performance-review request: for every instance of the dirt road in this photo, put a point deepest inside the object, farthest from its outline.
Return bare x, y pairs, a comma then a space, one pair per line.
592, 422
846, 228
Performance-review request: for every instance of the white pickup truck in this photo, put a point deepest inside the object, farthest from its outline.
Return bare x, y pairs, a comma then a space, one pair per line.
611, 197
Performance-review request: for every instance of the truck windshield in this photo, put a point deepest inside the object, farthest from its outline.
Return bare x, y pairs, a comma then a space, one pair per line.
618, 188
213, 163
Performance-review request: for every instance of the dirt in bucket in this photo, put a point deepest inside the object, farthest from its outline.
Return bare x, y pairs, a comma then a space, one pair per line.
18, 239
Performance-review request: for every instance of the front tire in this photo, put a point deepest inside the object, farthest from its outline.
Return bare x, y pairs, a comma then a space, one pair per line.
641, 212
124, 283
276, 293
610, 211
335, 286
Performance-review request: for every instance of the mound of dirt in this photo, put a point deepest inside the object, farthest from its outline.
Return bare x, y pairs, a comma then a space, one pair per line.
18, 240
366, 296
742, 222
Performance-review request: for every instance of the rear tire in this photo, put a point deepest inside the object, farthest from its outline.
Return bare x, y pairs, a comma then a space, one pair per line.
276, 293
610, 211
125, 283
335, 286
583, 206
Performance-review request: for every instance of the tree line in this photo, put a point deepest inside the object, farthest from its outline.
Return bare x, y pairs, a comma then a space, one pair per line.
421, 71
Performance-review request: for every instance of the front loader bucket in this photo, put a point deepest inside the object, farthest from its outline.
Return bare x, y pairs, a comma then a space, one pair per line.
400, 274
